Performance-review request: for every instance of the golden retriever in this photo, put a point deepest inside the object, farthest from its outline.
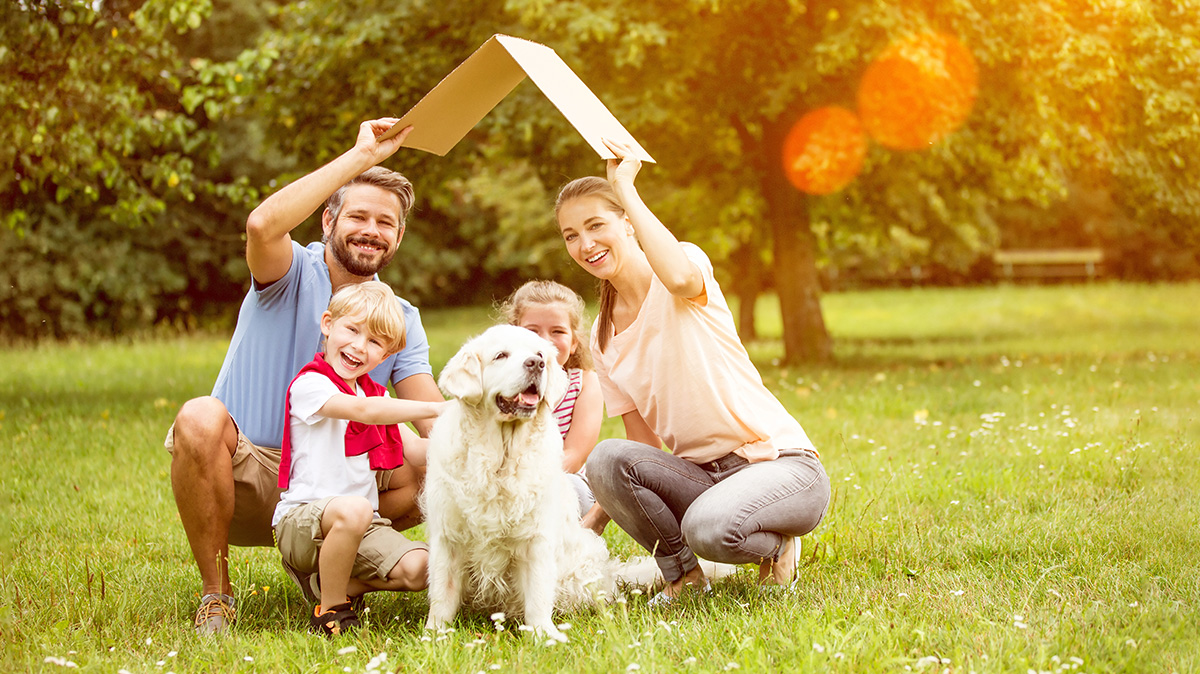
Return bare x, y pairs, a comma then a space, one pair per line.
500, 515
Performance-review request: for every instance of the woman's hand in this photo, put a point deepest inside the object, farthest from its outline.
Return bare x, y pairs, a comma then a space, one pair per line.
595, 519
666, 257
625, 167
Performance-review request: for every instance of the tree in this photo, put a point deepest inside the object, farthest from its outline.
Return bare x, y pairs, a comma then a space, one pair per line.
1067, 89
108, 172
1083, 91
481, 222
728, 83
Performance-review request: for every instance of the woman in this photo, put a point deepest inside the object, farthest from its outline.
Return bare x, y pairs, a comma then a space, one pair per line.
742, 479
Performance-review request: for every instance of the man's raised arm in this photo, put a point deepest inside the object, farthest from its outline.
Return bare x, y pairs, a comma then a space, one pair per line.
268, 229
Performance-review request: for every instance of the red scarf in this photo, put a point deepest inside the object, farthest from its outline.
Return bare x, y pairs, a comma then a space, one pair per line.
382, 442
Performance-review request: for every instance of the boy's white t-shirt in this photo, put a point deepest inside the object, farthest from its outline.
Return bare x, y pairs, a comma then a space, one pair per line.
320, 467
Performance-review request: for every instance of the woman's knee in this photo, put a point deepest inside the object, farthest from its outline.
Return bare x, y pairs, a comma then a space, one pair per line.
605, 462
604, 454
707, 531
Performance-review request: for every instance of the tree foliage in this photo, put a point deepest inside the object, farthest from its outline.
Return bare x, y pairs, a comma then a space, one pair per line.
109, 197
481, 224
135, 135
1070, 91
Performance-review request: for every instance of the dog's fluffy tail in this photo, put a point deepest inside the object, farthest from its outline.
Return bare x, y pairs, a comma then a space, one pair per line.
589, 579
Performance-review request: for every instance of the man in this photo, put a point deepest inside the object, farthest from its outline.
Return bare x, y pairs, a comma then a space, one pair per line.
224, 447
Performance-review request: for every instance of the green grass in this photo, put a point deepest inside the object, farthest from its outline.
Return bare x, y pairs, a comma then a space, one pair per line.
1014, 475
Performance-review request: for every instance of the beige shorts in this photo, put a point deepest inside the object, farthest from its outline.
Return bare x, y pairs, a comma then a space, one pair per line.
256, 490
300, 539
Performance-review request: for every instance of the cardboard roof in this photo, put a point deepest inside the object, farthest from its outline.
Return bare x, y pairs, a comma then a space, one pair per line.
451, 109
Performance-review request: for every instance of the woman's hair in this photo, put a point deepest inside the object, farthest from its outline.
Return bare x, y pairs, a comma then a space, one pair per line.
594, 186
550, 292
374, 302
382, 178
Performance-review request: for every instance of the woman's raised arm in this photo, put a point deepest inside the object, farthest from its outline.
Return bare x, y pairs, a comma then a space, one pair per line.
670, 264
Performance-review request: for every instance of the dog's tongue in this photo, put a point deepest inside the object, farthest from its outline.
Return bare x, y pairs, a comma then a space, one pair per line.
528, 398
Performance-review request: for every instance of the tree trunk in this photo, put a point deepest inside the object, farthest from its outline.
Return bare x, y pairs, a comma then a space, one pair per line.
746, 327
805, 338
747, 284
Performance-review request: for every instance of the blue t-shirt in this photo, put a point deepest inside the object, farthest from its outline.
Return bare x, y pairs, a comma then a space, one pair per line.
278, 331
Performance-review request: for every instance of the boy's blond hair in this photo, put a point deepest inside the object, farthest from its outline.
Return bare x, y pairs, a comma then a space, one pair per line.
551, 292
374, 302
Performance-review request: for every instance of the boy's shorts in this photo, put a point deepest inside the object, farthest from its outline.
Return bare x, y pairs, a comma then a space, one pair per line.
256, 489
300, 539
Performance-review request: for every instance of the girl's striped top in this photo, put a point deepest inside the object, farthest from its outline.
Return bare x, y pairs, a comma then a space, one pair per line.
566, 408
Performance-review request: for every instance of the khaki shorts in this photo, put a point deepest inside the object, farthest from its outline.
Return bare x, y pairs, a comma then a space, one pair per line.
300, 539
256, 490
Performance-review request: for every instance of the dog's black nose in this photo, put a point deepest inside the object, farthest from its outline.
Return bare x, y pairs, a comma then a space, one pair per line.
535, 363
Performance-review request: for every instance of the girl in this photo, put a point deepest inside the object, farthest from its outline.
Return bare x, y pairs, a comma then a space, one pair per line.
742, 479
555, 313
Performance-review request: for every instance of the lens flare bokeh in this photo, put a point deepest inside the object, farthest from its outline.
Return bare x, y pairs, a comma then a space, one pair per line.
824, 151
918, 91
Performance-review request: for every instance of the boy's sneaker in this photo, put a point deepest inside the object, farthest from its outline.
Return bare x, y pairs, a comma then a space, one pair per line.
215, 615
309, 583
334, 621
310, 587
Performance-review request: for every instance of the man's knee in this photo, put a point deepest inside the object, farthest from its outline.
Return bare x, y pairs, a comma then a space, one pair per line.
413, 569
203, 429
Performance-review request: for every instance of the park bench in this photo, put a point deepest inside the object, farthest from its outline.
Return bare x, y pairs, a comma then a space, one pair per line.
1056, 263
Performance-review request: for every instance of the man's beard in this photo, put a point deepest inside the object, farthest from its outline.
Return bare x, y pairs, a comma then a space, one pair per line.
350, 260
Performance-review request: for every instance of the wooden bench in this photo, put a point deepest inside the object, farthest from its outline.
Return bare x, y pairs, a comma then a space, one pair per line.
1050, 263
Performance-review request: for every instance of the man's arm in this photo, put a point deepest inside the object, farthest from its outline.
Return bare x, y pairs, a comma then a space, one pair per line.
268, 229
420, 387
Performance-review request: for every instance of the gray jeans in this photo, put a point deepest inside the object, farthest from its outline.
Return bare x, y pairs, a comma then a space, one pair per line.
726, 510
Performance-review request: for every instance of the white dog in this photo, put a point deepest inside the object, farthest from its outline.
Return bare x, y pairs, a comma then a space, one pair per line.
501, 517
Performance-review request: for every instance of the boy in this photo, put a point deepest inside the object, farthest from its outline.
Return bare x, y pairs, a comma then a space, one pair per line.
341, 427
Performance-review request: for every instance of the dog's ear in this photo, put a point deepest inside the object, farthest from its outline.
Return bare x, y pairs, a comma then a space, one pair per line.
462, 377
556, 384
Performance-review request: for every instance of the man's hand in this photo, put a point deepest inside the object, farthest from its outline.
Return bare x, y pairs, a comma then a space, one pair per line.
368, 139
268, 238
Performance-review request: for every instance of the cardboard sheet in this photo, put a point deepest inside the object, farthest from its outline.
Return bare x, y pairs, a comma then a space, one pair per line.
451, 109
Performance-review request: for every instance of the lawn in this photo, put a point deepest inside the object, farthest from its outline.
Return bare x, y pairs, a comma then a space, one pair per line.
1015, 489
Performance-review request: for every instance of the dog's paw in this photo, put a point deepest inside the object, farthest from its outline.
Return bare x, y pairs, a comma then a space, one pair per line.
547, 635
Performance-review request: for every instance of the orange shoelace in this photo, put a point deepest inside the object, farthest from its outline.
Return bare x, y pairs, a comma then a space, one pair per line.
212, 608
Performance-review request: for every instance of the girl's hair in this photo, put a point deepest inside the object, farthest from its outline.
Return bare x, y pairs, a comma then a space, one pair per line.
549, 292
594, 186
375, 302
